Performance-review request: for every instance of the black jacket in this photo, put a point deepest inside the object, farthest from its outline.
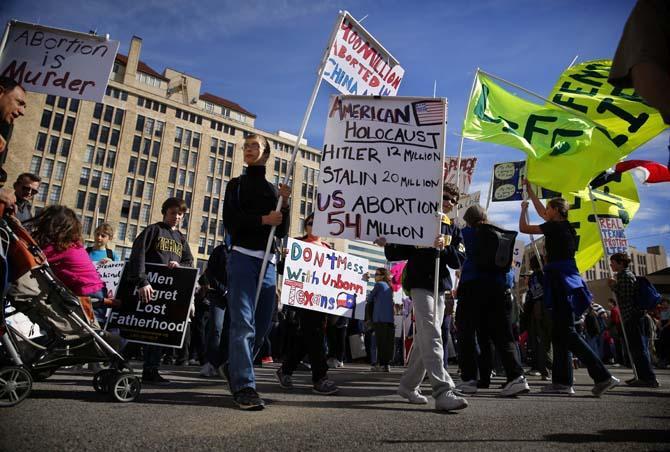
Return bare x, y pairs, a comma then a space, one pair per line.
421, 260
247, 199
157, 244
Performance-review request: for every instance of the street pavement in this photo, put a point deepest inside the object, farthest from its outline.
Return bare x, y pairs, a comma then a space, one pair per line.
64, 413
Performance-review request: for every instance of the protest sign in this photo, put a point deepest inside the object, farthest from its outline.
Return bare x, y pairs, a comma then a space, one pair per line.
110, 273
613, 236
359, 64
324, 280
464, 202
517, 259
58, 62
381, 169
162, 321
464, 177
508, 183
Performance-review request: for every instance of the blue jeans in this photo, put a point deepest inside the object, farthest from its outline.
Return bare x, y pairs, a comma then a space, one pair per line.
567, 341
218, 329
248, 324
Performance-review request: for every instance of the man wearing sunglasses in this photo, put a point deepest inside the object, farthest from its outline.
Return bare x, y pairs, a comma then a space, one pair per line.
27, 185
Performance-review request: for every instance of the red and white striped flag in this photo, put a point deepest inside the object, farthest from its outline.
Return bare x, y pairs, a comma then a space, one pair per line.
430, 112
645, 171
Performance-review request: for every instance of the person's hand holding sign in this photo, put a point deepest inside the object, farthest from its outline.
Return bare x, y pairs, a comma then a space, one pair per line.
145, 293
173, 264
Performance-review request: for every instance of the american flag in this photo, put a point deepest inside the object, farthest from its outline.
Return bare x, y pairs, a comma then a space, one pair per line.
428, 113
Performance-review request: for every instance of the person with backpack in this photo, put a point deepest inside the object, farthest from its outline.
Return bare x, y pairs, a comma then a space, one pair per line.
485, 307
625, 287
566, 295
249, 216
427, 353
100, 251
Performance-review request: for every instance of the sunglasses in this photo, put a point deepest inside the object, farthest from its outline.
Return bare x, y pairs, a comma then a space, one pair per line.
450, 199
30, 190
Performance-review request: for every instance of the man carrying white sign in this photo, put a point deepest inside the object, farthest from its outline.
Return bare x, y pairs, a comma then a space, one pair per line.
427, 355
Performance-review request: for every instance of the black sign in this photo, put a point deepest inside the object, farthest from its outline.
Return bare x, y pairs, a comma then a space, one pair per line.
161, 321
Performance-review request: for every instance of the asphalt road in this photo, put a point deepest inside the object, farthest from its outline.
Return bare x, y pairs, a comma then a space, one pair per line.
64, 413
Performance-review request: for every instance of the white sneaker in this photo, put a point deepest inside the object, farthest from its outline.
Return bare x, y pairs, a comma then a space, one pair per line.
332, 363
600, 388
467, 387
413, 397
208, 371
517, 386
448, 401
339, 363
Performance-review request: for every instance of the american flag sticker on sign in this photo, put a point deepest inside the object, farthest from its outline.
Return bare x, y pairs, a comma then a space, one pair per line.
429, 113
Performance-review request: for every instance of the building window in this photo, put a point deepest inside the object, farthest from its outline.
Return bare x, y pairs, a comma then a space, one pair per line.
132, 232
102, 205
96, 175
128, 190
54, 197
85, 175
106, 181
53, 145
132, 164
87, 225
139, 125
92, 200
46, 119
69, 125
65, 147
81, 198
59, 173
118, 116
111, 159
121, 231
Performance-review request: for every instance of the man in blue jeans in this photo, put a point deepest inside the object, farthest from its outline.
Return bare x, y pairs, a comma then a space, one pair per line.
249, 215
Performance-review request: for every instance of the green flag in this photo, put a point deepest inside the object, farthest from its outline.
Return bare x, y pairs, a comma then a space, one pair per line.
628, 119
565, 151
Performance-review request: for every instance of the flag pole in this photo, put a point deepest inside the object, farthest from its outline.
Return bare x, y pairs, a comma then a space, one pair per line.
602, 242
460, 146
303, 126
436, 282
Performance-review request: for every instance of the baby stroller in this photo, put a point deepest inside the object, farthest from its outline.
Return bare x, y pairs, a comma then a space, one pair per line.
72, 335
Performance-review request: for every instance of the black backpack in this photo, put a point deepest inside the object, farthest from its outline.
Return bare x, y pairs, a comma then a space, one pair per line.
495, 248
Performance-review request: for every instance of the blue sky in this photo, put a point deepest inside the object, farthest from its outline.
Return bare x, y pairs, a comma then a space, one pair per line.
264, 55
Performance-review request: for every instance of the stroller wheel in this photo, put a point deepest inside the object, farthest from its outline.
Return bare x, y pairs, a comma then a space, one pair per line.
101, 380
15, 385
124, 387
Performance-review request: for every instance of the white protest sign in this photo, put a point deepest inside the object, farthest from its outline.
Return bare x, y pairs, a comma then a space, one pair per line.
359, 64
110, 273
464, 202
59, 62
381, 169
468, 165
614, 237
324, 280
517, 259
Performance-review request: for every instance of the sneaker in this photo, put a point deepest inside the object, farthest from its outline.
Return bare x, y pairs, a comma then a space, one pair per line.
248, 399
533, 373
413, 397
386, 368
600, 388
267, 360
339, 363
152, 377
332, 363
325, 387
448, 401
467, 387
208, 371
635, 383
555, 388
302, 365
517, 386
283, 379
545, 378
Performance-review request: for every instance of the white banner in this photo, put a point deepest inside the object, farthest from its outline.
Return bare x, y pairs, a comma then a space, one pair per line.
613, 234
110, 273
464, 202
59, 62
359, 64
381, 169
324, 280
468, 165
